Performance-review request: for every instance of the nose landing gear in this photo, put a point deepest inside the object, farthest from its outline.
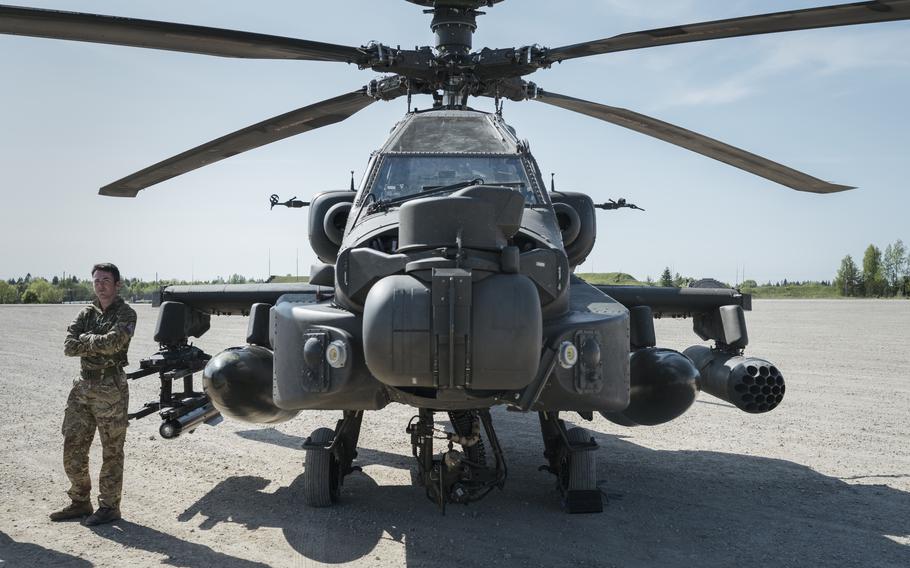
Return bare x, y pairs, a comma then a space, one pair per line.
457, 476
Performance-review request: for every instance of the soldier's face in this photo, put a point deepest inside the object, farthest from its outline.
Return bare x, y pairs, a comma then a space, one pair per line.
105, 287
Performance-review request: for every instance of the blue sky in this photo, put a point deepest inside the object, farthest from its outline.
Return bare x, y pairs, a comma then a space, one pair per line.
832, 103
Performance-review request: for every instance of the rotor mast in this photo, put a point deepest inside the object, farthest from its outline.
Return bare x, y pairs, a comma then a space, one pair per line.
453, 24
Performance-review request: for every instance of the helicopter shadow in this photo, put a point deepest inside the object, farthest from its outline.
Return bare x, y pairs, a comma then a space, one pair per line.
177, 552
365, 456
668, 508
14, 553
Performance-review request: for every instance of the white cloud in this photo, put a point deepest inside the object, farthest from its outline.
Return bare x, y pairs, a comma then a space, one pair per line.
794, 55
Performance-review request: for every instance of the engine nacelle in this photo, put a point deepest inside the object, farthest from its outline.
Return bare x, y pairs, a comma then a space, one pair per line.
328, 214
238, 381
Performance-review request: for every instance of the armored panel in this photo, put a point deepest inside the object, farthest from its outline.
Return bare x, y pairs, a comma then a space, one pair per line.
303, 376
434, 222
599, 381
508, 205
397, 332
452, 334
507, 332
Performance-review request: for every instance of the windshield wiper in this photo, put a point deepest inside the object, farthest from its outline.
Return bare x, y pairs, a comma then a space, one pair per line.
431, 189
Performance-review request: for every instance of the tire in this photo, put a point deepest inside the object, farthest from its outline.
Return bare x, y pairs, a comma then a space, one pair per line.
320, 473
582, 465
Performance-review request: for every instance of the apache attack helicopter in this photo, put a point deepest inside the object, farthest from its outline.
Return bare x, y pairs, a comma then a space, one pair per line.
447, 279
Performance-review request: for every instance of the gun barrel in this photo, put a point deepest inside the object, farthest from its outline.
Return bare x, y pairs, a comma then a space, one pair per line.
188, 421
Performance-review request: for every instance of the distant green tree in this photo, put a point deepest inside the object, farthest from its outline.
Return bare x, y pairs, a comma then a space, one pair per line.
666, 278
682, 281
43, 292
873, 279
847, 280
55, 281
29, 297
236, 279
9, 294
893, 266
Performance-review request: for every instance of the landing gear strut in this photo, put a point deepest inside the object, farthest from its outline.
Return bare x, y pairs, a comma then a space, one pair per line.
457, 476
328, 458
572, 459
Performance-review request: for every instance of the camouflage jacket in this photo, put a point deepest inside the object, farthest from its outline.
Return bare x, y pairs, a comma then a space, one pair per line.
101, 338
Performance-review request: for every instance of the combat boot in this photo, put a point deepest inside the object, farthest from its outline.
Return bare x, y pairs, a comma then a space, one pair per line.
75, 510
102, 516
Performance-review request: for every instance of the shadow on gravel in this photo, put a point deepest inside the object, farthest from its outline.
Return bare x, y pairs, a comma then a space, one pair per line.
665, 508
14, 553
365, 456
177, 552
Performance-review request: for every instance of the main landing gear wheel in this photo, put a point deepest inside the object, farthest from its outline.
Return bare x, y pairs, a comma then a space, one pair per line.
581, 466
571, 457
321, 474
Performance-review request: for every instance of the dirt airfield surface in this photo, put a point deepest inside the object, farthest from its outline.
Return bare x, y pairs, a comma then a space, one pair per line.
823, 480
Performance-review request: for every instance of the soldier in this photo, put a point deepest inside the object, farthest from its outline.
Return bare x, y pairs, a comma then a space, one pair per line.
100, 335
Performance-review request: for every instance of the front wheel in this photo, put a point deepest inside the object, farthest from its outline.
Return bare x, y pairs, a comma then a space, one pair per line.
321, 479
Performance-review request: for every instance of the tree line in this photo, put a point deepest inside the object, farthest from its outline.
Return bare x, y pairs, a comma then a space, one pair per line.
38, 290
883, 274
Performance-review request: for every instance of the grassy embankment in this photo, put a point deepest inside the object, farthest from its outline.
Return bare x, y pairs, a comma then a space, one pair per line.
807, 290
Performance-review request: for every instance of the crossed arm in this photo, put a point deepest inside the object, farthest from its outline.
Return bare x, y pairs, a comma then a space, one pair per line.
79, 343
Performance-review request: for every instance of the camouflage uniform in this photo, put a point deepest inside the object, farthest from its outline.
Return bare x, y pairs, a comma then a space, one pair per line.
98, 399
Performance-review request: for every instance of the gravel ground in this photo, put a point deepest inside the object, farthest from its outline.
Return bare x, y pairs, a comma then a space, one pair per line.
823, 480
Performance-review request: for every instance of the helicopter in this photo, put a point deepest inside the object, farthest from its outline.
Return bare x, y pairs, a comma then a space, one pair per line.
446, 279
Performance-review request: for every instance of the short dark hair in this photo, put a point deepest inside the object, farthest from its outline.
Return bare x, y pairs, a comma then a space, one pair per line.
107, 267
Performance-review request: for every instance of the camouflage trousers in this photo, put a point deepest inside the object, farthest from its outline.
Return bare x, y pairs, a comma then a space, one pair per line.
96, 404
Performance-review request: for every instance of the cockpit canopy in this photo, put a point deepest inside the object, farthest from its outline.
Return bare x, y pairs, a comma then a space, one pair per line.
436, 149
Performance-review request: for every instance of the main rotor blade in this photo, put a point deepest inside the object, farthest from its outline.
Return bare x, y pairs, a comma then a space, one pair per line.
164, 35
277, 128
689, 140
810, 18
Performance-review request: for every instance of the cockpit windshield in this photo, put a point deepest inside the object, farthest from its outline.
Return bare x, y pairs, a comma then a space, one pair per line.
403, 176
